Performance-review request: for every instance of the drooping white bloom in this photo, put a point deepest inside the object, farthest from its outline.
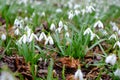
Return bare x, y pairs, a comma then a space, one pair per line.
6, 76
18, 23
83, 11
87, 31
49, 40
117, 43
24, 38
17, 32
65, 27
70, 15
93, 35
104, 32
59, 10
67, 34
113, 36
111, 59
118, 32
77, 12
78, 75
117, 73
58, 30
43, 14
32, 36
90, 9
60, 24
3, 37
98, 24
76, 6
114, 26
42, 37
52, 27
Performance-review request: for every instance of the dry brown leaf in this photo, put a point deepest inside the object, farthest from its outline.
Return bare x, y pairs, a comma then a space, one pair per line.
69, 62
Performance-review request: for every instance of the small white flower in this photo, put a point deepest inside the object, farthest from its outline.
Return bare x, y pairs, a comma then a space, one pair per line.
114, 26
24, 38
90, 9
104, 32
42, 37
93, 35
83, 11
18, 23
65, 27
60, 24
98, 24
119, 32
6, 76
32, 36
3, 37
58, 30
76, 6
17, 32
113, 36
117, 73
111, 59
67, 34
49, 40
52, 27
59, 10
87, 31
78, 75
77, 12
43, 14
70, 15
117, 43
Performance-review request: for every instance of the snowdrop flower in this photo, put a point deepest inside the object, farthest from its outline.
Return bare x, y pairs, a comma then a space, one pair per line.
58, 30
117, 73
23, 39
93, 35
65, 27
87, 31
111, 59
119, 32
114, 26
17, 32
104, 32
98, 24
18, 23
83, 11
76, 6
52, 27
43, 14
3, 37
113, 36
32, 36
117, 43
77, 12
70, 15
42, 37
90, 9
49, 40
6, 76
67, 34
60, 24
59, 10
78, 75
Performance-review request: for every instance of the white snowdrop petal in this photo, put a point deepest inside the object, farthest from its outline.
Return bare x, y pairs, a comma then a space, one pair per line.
78, 75
111, 59
98, 24
3, 37
117, 73
6, 76
52, 27
60, 24
113, 36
